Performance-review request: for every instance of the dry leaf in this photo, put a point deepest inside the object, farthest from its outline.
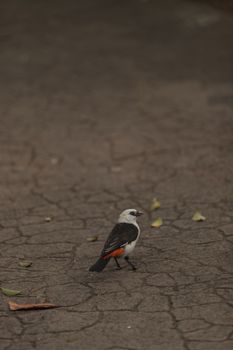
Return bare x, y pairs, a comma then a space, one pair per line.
25, 263
157, 223
198, 217
48, 219
14, 306
92, 239
155, 204
10, 292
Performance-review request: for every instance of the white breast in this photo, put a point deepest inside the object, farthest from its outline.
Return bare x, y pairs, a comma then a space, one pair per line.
130, 247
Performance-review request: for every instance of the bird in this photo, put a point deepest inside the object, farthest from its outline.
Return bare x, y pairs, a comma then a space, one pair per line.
121, 241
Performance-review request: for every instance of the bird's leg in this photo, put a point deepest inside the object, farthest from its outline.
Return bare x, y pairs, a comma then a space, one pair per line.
129, 262
118, 265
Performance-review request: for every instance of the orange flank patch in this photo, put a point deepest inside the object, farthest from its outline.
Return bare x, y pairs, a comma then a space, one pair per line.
115, 253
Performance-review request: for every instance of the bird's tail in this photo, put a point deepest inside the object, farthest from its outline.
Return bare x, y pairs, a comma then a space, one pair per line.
99, 265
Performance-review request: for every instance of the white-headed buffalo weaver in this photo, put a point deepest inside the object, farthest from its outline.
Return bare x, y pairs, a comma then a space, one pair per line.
121, 241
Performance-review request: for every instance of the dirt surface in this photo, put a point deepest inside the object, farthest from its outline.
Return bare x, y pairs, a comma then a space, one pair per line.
226, 5
105, 105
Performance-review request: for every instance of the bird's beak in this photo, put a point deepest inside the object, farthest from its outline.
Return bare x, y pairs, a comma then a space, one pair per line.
139, 213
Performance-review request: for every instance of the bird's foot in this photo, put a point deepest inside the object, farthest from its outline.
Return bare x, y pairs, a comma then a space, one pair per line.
117, 264
130, 264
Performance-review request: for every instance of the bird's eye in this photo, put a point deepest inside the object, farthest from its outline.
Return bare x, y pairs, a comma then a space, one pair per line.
133, 213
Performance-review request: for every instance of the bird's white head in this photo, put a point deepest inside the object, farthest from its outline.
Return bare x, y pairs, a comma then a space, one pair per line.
129, 216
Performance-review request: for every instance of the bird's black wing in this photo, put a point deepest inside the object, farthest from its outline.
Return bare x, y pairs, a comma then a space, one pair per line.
120, 235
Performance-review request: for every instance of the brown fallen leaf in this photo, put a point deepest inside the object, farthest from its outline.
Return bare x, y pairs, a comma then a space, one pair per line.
25, 263
92, 239
14, 306
155, 204
198, 217
157, 223
9, 292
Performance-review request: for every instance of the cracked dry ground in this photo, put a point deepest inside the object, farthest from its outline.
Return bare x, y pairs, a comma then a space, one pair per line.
103, 106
